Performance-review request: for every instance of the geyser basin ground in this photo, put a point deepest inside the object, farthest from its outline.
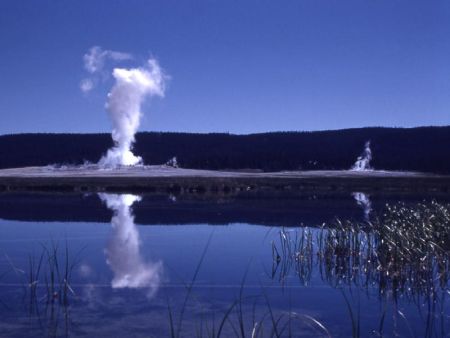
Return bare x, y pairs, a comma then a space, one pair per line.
177, 180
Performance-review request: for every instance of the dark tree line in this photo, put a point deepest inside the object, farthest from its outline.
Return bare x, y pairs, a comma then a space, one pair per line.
421, 149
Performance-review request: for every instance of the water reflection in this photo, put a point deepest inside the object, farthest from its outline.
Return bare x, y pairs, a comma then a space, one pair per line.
363, 201
324, 278
123, 247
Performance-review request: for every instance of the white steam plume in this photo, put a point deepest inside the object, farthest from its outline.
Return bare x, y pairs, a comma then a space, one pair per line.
94, 62
122, 251
124, 107
363, 161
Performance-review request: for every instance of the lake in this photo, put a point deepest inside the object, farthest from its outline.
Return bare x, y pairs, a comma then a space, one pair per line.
247, 265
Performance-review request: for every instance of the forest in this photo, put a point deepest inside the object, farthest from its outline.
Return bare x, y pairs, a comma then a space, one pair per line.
424, 149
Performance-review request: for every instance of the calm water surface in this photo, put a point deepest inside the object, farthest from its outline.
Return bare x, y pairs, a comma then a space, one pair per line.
122, 265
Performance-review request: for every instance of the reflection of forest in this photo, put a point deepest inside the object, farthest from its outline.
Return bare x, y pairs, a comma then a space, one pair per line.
281, 209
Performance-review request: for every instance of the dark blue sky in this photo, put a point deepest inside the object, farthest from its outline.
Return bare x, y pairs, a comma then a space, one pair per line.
235, 66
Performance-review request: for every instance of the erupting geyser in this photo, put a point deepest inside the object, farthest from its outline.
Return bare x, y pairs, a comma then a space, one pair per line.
124, 102
363, 161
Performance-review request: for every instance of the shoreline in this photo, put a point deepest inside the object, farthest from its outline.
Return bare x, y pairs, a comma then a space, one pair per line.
163, 179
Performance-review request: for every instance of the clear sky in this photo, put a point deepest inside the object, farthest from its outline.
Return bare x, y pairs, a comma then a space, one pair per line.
235, 66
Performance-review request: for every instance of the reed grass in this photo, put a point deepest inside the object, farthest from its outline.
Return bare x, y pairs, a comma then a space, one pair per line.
46, 283
53, 272
404, 252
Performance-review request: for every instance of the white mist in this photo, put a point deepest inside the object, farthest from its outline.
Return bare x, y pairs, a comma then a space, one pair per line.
131, 88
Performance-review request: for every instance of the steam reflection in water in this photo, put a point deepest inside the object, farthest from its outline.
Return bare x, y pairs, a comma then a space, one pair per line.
123, 247
363, 201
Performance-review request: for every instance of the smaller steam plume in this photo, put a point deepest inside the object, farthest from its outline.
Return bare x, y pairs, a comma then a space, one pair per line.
131, 88
363, 161
173, 162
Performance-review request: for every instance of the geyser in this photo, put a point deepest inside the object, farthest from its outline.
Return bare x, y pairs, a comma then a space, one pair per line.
363, 161
131, 88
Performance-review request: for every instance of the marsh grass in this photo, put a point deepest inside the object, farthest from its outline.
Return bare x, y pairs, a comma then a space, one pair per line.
50, 271
405, 253
47, 286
